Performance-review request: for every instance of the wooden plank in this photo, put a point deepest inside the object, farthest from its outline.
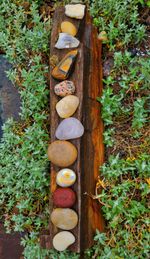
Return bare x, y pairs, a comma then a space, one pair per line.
86, 76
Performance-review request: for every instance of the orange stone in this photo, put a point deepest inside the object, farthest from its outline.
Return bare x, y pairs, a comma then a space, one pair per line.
63, 69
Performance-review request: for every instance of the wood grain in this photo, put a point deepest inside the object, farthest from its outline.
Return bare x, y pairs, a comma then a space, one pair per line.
88, 82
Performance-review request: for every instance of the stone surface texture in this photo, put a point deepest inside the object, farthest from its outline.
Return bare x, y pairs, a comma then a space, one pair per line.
70, 128
65, 219
64, 197
66, 41
68, 27
64, 88
65, 177
62, 153
63, 240
67, 106
76, 11
64, 67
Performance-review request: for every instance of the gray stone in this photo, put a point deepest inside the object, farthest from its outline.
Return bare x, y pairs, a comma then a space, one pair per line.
66, 41
69, 128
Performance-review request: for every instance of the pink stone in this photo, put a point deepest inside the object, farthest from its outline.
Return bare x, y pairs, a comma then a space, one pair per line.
64, 88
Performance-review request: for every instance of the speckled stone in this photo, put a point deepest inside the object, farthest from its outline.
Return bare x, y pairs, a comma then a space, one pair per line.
68, 27
65, 177
63, 240
67, 106
69, 128
64, 88
64, 197
65, 219
62, 153
76, 11
66, 41
64, 67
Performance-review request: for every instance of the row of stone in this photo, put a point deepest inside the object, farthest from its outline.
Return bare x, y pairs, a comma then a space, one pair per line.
61, 152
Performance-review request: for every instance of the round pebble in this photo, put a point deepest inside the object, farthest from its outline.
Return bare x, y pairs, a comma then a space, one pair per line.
67, 106
69, 128
63, 240
65, 177
65, 219
64, 197
62, 153
68, 27
64, 88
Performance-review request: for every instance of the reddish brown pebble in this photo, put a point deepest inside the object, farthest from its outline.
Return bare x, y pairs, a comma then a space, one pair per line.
64, 198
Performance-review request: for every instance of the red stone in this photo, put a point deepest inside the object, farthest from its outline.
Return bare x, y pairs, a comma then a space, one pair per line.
64, 197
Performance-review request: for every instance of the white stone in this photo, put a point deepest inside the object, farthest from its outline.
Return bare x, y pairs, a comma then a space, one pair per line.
75, 10
66, 41
63, 240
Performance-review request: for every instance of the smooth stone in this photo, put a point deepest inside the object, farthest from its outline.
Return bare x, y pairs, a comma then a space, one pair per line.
62, 153
64, 88
63, 240
65, 219
102, 36
68, 27
67, 106
64, 67
75, 10
64, 197
65, 177
66, 41
69, 128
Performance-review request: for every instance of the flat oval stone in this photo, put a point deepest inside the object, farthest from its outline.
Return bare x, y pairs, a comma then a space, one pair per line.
64, 67
66, 41
65, 177
64, 197
67, 106
69, 128
63, 240
65, 219
62, 153
68, 27
64, 88
75, 10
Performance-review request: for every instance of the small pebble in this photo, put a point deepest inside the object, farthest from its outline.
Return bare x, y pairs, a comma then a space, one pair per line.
67, 106
62, 153
64, 197
103, 36
65, 177
76, 11
64, 88
65, 219
63, 240
68, 27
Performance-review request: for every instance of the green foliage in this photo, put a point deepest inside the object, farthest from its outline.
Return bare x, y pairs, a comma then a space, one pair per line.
120, 19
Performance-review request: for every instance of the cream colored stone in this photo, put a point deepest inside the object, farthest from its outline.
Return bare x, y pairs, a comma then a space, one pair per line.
63, 240
67, 106
65, 177
65, 219
75, 10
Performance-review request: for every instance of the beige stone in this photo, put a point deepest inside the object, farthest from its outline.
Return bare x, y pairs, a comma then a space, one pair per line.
63, 240
76, 11
67, 106
63, 218
62, 153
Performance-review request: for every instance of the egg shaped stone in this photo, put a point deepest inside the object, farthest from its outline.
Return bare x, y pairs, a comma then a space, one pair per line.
65, 219
68, 27
63, 240
67, 106
64, 88
65, 177
70, 128
64, 197
62, 153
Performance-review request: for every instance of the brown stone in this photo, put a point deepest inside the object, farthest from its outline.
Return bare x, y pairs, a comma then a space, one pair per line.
62, 153
65, 219
63, 69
